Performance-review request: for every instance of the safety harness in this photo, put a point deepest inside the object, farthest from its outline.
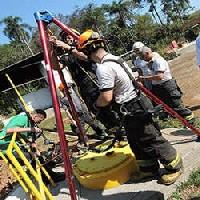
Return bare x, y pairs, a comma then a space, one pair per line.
128, 108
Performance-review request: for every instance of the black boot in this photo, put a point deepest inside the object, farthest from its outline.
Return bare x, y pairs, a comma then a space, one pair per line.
56, 176
73, 128
100, 133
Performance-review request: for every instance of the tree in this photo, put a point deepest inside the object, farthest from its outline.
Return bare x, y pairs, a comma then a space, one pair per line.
153, 10
175, 9
87, 18
10, 53
120, 11
16, 31
145, 29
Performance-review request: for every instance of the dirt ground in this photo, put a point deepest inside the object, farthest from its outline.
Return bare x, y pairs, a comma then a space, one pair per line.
184, 70
6, 180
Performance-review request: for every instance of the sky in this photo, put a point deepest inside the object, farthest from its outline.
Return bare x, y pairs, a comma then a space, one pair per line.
26, 8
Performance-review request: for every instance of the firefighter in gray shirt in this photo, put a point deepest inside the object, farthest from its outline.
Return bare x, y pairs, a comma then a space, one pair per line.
163, 84
143, 135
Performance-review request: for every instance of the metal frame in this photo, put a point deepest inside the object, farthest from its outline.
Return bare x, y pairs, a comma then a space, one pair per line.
23, 178
43, 19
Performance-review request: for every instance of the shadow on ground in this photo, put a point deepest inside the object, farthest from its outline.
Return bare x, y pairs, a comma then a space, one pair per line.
193, 108
142, 195
83, 193
182, 132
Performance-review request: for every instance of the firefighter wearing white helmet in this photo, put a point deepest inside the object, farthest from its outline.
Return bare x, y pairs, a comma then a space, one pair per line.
137, 46
140, 64
144, 137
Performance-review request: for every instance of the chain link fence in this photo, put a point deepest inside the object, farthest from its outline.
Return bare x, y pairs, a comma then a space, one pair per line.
8, 98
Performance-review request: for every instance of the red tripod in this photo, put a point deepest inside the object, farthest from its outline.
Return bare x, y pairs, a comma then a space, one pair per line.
43, 19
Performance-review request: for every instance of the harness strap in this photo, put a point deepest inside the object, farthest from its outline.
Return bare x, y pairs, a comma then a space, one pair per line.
120, 61
123, 108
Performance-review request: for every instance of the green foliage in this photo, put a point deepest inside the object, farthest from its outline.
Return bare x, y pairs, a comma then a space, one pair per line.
8, 103
19, 35
169, 123
120, 22
11, 53
87, 18
17, 32
175, 10
8, 99
193, 180
145, 29
14, 29
35, 41
175, 123
6, 52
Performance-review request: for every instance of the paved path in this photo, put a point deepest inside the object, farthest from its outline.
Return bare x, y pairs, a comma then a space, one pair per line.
185, 143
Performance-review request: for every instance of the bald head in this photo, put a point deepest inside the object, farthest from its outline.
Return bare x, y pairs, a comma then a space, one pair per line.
146, 53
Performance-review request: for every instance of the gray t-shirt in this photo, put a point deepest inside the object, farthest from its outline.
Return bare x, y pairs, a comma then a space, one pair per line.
111, 75
159, 64
141, 64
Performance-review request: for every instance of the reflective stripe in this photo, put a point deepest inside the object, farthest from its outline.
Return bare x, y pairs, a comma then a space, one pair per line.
189, 117
173, 164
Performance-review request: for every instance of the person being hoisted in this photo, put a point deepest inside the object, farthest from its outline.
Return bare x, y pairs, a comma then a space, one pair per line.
144, 136
83, 74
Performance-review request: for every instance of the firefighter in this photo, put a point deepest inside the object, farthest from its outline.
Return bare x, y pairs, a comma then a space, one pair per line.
163, 85
66, 51
81, 109
143, 135
140, 64
83, 73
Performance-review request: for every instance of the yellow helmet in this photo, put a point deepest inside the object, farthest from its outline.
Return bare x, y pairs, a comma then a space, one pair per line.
89, 39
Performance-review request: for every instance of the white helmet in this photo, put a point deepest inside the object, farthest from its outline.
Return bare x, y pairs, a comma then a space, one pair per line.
138, 45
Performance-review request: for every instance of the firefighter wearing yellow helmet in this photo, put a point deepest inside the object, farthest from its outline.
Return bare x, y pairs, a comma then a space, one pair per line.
89, 41
144, 136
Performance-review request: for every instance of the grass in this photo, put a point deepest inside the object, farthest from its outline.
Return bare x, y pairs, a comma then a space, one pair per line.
169, 123
50, 123
50, 130
175, 123
189, 189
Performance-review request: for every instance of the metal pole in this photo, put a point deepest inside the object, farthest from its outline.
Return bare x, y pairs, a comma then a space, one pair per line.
73, 109
65, 28
59, 121
168, 109
158, 101
74, 113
